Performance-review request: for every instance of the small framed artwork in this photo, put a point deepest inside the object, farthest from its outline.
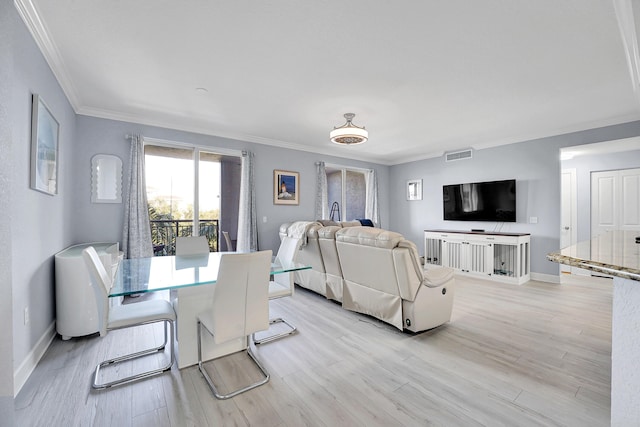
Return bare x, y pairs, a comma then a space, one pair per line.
285, 187
414, 189
44, 148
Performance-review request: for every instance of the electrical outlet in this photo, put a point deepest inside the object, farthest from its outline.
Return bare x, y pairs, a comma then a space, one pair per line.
26, 316
264, 219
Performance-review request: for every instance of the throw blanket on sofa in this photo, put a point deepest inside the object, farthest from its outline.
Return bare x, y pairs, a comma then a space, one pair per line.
298, 230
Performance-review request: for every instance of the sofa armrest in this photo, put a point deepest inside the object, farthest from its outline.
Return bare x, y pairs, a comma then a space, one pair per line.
437, 276
415, 256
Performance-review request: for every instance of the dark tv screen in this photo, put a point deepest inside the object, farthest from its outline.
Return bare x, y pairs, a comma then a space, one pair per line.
480, 201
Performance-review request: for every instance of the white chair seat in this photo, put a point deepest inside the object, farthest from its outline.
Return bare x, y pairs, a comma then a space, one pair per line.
141, 312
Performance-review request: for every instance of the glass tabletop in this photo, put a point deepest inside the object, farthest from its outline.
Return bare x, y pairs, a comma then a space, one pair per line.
140, 275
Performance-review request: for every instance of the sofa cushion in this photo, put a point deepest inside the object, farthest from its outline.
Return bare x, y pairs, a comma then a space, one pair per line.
327, 222
328, 232
345, 224
369, 236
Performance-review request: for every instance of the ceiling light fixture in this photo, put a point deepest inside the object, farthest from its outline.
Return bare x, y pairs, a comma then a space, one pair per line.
349, 134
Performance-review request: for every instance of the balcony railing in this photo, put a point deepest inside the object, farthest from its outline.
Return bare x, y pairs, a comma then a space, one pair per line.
164, 232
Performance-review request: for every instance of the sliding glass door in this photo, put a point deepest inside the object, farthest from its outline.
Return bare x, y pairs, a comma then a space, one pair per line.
184, 188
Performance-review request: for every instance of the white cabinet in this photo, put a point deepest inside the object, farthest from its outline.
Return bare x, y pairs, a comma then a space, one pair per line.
498, 256
466, 256
76, 312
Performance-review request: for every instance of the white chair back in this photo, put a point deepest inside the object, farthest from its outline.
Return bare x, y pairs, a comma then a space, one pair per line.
240, 303
191, 245
227, 240
288, 251
101, 284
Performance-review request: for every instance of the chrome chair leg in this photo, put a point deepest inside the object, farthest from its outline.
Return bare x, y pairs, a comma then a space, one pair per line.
209, 380
292, 330
145, 374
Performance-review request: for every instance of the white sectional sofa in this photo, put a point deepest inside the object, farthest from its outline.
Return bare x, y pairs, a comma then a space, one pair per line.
375, 272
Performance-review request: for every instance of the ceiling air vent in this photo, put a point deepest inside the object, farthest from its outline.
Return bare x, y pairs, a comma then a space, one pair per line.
458, 155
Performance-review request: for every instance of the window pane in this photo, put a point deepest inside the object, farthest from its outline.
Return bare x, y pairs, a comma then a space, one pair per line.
356, 192
209, 198
169, 179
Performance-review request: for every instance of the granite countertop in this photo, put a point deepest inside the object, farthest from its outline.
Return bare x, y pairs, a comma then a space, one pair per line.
614, 253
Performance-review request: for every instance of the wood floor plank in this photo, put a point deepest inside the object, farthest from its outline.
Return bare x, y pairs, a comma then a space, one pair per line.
532, 355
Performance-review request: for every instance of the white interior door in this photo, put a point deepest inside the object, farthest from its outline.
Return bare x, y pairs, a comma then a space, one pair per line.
615, 200
630, 209
568, 212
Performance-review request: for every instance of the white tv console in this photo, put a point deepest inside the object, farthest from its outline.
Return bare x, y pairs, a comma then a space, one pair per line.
503, 257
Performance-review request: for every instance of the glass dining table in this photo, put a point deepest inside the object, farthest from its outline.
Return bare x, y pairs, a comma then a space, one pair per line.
142, 275
194, 278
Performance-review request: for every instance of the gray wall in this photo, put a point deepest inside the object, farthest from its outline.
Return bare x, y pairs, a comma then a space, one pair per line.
584, 165
7, 20
39, 223
103, 222
534, 164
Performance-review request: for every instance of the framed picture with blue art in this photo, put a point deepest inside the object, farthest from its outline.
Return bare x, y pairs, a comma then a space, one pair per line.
285, 187
44, 148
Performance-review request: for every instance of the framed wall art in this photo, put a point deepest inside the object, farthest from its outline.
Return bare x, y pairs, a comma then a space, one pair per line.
285, 187
414, 189
44, 148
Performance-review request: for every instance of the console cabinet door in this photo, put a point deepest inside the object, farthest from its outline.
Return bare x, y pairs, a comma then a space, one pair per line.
479, 258
467, 256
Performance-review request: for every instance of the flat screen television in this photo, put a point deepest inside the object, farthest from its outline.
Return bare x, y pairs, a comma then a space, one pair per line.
480, 201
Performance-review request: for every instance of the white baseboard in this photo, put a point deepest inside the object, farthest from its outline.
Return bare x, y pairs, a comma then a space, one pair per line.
21, 375
548, 278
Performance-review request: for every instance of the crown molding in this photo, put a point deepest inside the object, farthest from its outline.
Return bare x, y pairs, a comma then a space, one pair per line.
37, 28
237, 136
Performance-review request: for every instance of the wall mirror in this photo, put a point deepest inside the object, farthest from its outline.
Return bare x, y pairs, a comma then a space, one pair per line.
106, 179
414, 189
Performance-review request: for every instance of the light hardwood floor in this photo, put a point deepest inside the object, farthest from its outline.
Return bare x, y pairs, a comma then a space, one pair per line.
537, 354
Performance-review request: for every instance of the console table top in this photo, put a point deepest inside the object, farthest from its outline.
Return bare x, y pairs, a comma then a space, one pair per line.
486, 233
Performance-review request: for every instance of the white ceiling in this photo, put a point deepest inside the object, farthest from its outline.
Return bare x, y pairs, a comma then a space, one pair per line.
424, 77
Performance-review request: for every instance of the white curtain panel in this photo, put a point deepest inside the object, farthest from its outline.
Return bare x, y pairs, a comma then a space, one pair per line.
247, 217
322, 198
371, 203
136, 235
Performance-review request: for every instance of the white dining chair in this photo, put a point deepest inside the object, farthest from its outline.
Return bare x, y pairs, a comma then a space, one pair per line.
282, 285
239, 307
126, 316
188, 246
191, 245
227, 240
